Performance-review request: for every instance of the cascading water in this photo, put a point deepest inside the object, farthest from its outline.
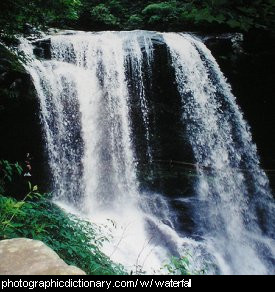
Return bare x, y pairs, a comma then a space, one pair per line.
230, 184
86, 94
135, 58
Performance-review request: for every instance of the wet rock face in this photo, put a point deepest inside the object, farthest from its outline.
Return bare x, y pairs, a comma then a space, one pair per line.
20, 130
42, 48
249, 64
23, 256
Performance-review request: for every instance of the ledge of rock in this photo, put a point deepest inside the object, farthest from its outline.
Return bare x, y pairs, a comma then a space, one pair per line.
23, 256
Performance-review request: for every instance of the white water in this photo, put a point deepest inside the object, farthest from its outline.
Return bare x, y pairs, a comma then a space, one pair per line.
136, 57
222, 147
85, 111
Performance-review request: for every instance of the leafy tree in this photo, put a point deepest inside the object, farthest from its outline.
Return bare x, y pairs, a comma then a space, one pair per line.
15, 13
102, 16
134, 21
163, 13
178, 15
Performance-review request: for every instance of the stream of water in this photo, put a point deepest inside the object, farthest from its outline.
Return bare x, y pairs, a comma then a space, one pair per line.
86, 102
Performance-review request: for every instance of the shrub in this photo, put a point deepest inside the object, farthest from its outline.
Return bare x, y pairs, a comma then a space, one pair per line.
76, 241
102, 15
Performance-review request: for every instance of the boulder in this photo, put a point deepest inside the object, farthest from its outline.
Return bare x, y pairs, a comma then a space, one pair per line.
23, 256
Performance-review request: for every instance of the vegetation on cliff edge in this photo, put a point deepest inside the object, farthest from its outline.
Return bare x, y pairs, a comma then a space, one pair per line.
177, 15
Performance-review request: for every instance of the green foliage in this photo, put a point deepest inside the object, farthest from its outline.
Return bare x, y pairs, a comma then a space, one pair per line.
163, 13
14, 14
76, 241
181, 266
198, 15
7, 171
241, 15
134, 21
163, 8
10, 61
102, 15
178, 266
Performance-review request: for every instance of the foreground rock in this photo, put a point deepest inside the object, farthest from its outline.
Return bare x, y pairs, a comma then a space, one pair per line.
22, 256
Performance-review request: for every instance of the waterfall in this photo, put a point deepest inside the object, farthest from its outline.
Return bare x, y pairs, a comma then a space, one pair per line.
230, 185
93, 91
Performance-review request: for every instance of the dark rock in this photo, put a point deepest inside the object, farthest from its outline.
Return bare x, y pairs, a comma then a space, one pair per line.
20, 129
29, 29
226, 40
249, 65
42, 48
